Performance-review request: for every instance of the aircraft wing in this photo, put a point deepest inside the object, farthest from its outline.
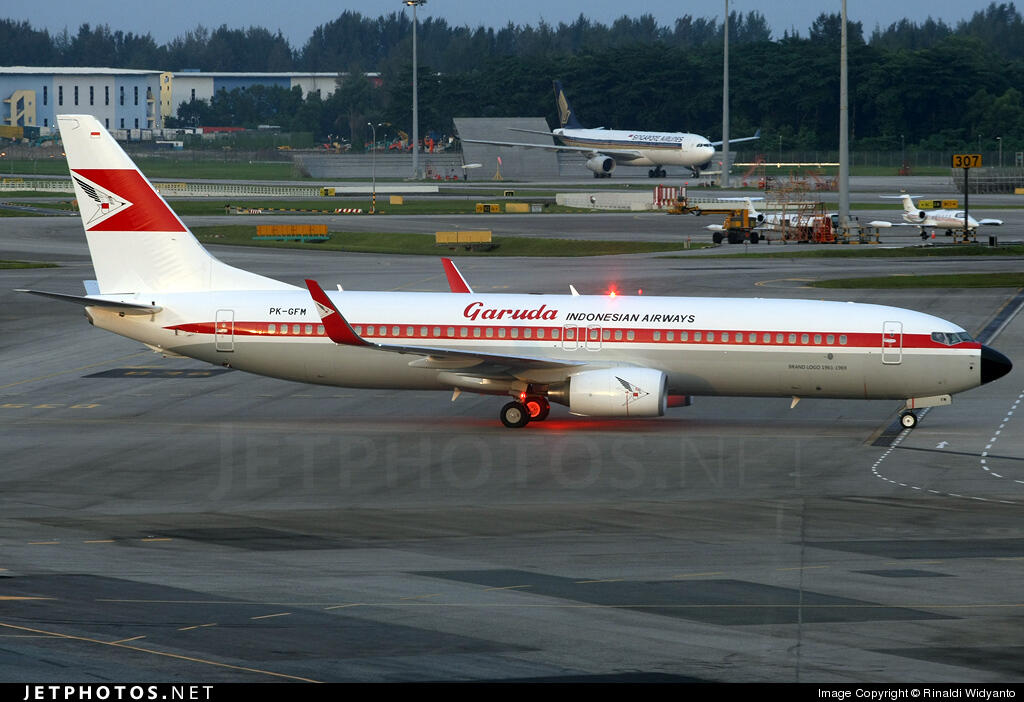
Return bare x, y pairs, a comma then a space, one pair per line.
991, 222
623, 154
456, 281
757, 135
473, 363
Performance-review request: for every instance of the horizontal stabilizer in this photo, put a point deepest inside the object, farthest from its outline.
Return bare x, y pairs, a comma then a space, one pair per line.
126, 307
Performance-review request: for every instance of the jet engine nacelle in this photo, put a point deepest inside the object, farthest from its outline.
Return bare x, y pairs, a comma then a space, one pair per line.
618, 392
602, 165
919, 215
757, 217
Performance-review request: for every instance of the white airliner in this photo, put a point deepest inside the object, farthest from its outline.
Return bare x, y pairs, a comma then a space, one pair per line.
935, 219
604, 148
601, 355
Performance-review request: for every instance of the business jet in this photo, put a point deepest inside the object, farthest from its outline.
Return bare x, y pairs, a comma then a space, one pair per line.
948, 219
606, 148
600, 355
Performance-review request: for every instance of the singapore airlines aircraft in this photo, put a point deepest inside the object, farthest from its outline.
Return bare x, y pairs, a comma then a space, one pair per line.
604, 148
935, 219
601, 355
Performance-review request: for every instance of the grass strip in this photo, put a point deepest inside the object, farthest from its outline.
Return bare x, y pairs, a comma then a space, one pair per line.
423, 244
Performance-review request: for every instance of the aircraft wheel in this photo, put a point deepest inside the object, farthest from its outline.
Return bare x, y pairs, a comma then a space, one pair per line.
515, 415
908, 420
754, 237
538, 407
717, 237
651, 173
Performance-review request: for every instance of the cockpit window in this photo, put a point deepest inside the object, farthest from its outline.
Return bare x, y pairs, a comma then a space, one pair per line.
951, 338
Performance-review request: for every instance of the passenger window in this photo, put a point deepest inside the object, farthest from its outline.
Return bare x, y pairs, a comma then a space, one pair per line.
830, 339
725, 337
698, 336
684, 336
752, 338
670, 336
295, 329
271, 328
396, 331
555, 334
490, 332
817, 338
630, 335
778, 338
805, 338
606, 334
423, 331
842, 339
711, 336
792, 338
515, 332
657, 336
528, 333
476, 332
309, 329
437, 331
501, 332
540, 333
463, 332
451, 332
320, 329
618, 335
766, 339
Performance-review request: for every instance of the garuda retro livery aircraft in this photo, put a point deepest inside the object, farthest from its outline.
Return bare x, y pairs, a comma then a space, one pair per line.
604, 148
602, 356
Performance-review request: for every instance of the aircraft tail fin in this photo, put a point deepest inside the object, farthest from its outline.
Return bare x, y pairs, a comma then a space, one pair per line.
566, 116
136, 241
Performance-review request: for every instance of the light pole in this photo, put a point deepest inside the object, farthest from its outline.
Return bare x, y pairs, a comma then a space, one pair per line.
373, 168
415, 98
1000, 140
723, 180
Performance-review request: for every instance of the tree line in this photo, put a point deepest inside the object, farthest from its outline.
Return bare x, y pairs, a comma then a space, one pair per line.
923, 85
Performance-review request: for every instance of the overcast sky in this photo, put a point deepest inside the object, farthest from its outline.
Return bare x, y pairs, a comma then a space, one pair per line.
297, 18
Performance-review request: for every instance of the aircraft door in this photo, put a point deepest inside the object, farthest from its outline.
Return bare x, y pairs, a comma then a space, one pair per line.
224, 331
570, 340
892, 342
593, 337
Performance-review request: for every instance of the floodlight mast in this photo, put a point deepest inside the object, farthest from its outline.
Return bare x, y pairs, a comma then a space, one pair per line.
415, 98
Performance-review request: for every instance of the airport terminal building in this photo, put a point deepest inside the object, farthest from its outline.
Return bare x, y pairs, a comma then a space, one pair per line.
119, 98
128, 99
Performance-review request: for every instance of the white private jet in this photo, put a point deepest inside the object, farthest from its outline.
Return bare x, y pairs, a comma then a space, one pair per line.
605, 148
601, 355
947, 219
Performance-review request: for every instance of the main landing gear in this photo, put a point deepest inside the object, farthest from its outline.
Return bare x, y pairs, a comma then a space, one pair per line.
517, 414
658, 172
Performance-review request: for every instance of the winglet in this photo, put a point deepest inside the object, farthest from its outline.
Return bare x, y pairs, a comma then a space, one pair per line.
456, 282
338, 329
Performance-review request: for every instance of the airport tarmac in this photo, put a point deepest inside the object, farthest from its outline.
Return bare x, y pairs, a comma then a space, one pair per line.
163, 519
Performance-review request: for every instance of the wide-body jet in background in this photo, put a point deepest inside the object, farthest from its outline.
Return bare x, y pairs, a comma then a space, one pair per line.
600, 355
606, 148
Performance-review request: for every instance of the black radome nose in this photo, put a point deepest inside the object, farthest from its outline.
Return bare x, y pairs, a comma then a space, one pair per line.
994, 365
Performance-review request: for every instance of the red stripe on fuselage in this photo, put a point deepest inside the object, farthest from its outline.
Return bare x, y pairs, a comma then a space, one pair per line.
583, 335
147, 213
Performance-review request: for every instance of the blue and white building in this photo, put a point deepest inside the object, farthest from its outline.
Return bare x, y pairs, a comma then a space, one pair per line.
119, 98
